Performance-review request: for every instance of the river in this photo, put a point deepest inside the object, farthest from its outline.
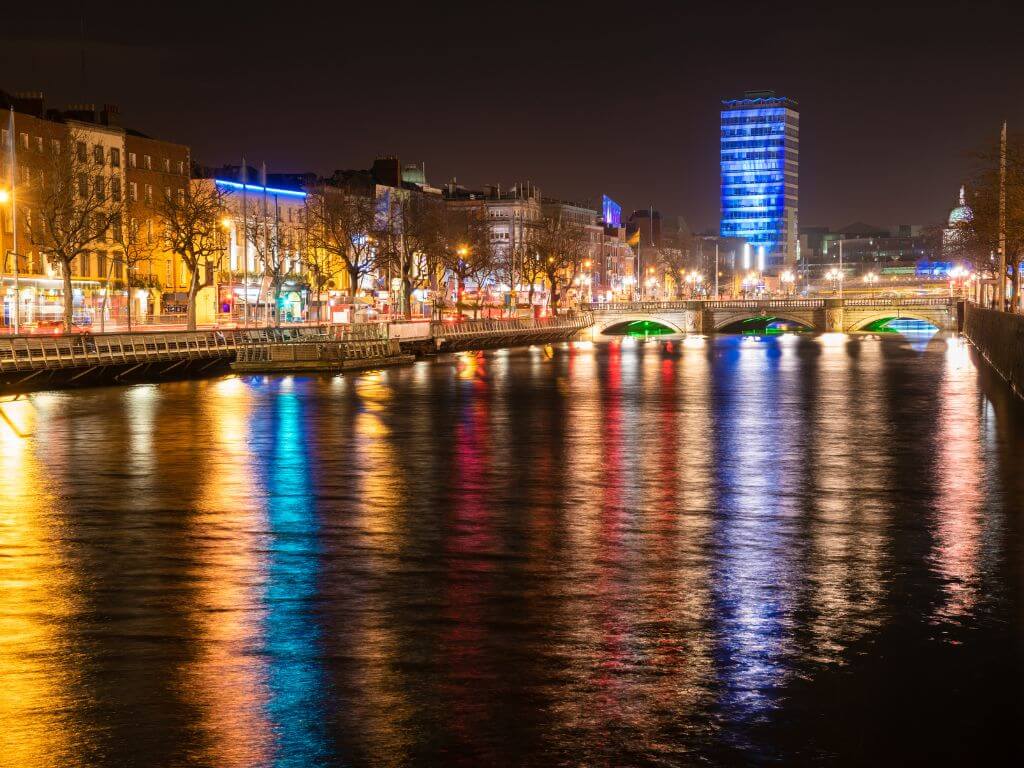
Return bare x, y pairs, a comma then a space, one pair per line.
788, 550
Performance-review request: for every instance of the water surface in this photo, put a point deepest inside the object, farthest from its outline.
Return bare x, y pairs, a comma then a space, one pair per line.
791, 550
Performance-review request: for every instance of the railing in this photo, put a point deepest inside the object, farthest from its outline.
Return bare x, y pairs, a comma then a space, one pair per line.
640, 306
712, 304
764, 304
28, 353
910, 301
509, 326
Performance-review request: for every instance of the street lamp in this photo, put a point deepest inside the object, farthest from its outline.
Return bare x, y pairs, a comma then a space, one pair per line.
870, 278
835, 276
788, 279
957, 276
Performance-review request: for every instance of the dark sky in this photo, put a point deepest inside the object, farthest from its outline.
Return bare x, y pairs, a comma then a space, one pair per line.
577, 99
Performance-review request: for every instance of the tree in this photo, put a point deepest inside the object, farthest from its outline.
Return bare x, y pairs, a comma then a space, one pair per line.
673, 263
469, 255
562, 247
321, 266
137, 243
67, 209
977, 236
190, 224
343, 225
274, 243
411, 241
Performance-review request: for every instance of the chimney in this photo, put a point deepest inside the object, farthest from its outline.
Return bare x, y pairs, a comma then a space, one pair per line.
110, 116
29, 103
86, 113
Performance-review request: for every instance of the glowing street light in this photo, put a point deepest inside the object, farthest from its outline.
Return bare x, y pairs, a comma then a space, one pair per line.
835, 276
788, 279
870, 278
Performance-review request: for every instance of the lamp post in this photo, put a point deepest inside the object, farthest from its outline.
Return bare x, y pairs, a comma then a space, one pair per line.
835, 276
788, 279
5, 199
870, 279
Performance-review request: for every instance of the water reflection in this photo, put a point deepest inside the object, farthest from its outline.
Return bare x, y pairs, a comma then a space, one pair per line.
630, 553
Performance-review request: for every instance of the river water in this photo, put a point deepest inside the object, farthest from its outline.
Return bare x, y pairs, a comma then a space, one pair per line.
735, 550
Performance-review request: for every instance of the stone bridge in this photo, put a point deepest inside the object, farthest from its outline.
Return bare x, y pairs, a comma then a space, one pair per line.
826, 314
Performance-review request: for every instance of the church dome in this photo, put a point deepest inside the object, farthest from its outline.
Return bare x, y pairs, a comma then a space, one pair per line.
962, 214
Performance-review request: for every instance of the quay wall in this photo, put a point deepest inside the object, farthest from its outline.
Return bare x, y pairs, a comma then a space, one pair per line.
999, 337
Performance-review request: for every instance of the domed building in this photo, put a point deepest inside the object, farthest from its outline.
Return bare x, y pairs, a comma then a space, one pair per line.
953, 234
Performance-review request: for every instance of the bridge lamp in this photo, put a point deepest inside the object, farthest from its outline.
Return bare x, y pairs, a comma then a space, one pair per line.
5, 196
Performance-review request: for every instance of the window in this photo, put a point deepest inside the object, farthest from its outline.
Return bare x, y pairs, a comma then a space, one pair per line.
181, 167
99, 226
167, 165
80, 151
55, 146
24, 140
99, 186
39, 144
83, 185
115, 227
149, 193
26, 174
115, 157
149, 230
167, 193
170, 272
115, 189
132, 161
133, 191
97, 154
101, 263
147, 162
181, 197
84, 265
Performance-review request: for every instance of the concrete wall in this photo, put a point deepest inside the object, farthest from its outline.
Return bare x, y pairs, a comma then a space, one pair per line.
999, 336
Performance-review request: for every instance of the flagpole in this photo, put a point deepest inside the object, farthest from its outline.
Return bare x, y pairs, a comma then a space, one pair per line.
245, 249
14, 223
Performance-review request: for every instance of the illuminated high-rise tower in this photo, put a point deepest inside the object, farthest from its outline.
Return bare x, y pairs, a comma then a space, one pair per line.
760, 162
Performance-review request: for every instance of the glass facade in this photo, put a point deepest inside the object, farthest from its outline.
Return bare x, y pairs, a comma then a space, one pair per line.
759, 168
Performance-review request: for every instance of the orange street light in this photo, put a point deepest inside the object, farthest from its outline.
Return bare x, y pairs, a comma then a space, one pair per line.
5, 196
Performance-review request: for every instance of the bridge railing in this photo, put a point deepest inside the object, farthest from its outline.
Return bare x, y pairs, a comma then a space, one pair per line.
764, 304
909, 301
516, 325
35, 352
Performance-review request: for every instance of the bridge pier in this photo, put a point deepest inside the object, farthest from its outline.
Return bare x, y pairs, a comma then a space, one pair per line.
834, 316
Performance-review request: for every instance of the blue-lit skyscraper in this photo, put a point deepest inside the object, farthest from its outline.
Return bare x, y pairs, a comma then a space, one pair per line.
760, 162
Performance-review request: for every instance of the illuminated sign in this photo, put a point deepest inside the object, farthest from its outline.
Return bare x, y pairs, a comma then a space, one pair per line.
259, 188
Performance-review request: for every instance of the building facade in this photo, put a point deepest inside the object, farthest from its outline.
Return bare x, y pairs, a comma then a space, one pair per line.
759, 159
129, 172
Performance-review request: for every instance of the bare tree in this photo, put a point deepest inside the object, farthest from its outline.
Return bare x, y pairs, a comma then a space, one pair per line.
469, 255
67, 209
410, 241
673, 262
190, 224
135, 237
344, 225
321, 265
977, 237
273, 240
562, 247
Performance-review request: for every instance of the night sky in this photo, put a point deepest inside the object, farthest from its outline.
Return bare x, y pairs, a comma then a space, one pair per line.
581, 101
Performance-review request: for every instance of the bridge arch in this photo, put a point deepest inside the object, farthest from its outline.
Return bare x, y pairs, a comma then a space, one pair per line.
606, 324
865, 322
721, 323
